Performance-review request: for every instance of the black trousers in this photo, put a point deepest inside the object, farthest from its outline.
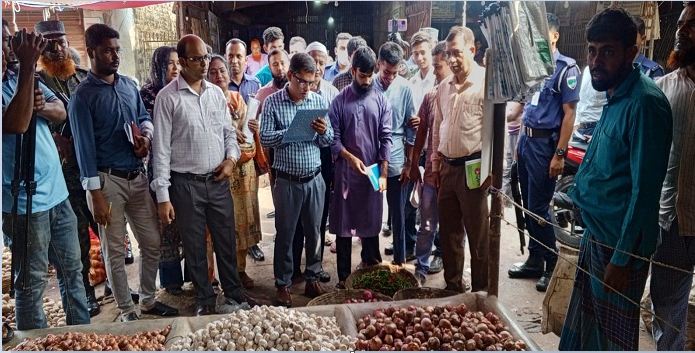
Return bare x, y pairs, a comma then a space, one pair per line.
370, 254
197, 204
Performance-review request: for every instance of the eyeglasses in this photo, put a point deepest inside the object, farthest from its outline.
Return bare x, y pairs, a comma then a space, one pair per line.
199, 59
303, 82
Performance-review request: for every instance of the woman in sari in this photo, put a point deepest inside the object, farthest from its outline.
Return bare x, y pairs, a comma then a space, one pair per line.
244, 181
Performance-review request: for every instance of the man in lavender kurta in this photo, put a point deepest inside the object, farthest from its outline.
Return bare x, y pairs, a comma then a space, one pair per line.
361, 119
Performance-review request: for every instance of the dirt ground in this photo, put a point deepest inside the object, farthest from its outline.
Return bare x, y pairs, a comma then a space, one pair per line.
519, 296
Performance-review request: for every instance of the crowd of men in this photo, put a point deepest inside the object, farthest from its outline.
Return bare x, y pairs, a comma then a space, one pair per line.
179, 160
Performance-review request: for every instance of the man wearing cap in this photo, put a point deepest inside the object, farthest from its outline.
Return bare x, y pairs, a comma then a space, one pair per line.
62, 75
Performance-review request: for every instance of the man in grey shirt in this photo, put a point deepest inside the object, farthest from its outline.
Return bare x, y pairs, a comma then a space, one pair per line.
194, 153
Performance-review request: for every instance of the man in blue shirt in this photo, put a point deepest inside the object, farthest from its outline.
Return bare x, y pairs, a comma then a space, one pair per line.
342, 58
298, 194
547, 126
239, 81
53, 225
648, 67
112, 132
400, 96
272, 39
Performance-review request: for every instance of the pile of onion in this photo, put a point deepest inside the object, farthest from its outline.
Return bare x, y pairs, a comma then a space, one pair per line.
440, 328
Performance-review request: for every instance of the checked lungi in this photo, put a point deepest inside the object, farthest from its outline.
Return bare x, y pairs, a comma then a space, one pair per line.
600, 320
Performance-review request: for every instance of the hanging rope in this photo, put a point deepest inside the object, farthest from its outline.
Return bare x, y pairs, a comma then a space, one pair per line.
600, 280
543, 221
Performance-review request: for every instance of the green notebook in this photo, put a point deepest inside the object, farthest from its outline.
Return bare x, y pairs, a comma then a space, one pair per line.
473, 173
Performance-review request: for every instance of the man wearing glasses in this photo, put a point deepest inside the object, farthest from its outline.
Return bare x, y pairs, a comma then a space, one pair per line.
195, 151
298, 192
106, 112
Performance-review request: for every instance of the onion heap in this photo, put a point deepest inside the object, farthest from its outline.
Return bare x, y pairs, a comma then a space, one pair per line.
268, 328
434, 328
77, 341
367, 297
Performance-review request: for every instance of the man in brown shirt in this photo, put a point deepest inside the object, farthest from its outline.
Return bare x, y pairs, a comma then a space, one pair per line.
457, 138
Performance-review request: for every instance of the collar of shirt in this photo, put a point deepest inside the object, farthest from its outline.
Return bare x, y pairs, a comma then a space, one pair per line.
626, 86
96, 80
183, 85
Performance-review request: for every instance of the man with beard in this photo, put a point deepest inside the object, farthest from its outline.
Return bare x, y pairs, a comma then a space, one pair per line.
52, 234
61, 74
192, 120
279, 63
361, 118
298, 192
106, 113
342, 58
272, 39
670, 288
547, 126
627, 162
240, 81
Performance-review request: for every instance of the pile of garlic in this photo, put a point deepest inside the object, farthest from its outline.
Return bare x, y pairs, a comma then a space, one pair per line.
265, 328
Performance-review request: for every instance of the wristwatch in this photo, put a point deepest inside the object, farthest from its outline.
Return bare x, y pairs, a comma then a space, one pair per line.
560, 152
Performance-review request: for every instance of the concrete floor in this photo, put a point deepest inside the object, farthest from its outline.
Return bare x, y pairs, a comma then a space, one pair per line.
519, 296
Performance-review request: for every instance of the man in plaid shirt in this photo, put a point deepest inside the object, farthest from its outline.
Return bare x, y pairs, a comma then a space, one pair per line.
297, 193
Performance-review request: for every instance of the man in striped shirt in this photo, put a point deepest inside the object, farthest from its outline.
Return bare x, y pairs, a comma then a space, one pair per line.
297, 193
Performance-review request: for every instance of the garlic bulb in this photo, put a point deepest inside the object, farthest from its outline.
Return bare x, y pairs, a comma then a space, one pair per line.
270, 329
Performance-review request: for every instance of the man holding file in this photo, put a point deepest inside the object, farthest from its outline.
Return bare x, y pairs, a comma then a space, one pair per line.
298, 194
361, 119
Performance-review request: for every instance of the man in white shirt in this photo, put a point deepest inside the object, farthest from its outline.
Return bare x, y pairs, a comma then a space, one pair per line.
589, 109
194, 153
423, 81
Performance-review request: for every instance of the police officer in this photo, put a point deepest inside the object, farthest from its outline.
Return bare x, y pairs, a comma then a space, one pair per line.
547, 126
62, 75
648, 67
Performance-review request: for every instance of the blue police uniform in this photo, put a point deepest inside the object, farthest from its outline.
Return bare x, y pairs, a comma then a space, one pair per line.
648, 67
536, 147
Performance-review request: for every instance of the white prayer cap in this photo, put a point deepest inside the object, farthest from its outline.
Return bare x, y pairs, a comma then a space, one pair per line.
316, 46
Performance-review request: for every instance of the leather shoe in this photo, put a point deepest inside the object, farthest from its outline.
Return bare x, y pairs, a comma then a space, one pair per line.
256, 253
246, 281
340, 285
389, 250
313, 289
202, 310
542, 284
324, 277
532, 268
270, 214
283, 297
132, 316
161, 309
386, 231
93, 305
436, 265
410, 257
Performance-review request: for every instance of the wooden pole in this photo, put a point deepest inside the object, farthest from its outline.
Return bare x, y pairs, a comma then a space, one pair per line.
496, 210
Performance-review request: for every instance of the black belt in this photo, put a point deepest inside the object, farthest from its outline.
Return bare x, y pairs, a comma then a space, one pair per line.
298, 179
461, 160
538, 133
590, 125
194, 177
124, 174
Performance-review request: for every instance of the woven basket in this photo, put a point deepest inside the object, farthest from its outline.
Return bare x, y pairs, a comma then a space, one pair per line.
399, 271
341, 296
423, 293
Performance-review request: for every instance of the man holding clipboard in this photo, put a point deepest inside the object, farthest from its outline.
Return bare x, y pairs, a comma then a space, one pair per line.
293, 123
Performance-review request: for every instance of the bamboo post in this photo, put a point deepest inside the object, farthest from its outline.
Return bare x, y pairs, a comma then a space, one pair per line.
496, 210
